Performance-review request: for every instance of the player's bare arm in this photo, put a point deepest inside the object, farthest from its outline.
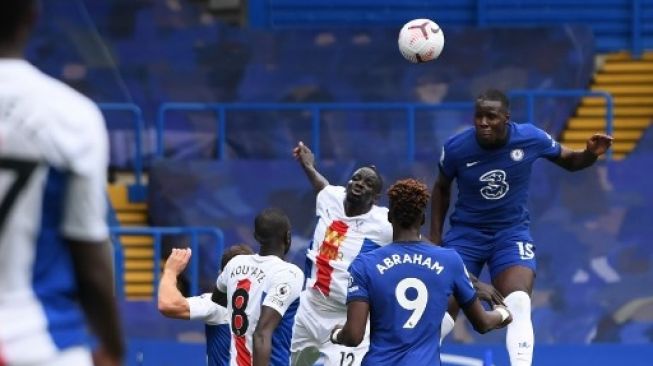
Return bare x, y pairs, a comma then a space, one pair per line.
574, 160
440, 197
485, 321
92, 263
306, 159
262, 337
352, 333
171, 302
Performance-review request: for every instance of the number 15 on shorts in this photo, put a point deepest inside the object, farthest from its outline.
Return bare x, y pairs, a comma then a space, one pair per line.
525, 250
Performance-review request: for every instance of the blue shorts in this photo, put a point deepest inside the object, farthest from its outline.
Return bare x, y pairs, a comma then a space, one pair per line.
499, 249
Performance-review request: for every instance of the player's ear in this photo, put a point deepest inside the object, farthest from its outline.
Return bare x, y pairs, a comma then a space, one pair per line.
423, 219
288, 240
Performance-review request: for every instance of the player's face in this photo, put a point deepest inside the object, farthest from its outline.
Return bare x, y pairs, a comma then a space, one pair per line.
490, 121
362, 186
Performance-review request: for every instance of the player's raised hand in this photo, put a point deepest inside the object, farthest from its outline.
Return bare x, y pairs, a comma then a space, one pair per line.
488, 293
177, 261
303, 154
599, 143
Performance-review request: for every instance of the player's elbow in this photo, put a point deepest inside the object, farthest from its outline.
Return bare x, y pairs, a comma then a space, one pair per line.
260, 338
165, 308
168, 308
352, 340
482, 326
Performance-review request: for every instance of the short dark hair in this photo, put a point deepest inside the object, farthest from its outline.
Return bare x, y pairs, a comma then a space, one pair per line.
12, 15
234, 250
495, 95
271, 225
408, 199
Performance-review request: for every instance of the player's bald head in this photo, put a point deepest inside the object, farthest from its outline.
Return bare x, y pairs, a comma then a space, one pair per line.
271, 227
16, 19
494, 95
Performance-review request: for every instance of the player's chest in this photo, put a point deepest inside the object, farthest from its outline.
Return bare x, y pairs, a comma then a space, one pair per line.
482, 168
343, 238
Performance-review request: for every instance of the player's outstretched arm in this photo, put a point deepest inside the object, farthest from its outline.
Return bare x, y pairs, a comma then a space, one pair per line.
262, 337
352, 333
171, 302
485, 321
574, 160
94, 274
440, 197
305, 157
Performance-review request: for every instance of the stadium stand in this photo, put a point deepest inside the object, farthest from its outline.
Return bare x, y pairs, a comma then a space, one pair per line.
592, 228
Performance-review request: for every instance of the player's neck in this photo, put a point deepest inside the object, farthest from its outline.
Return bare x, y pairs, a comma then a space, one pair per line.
412, 234
272, 251
354, 209
497, 144
10, 50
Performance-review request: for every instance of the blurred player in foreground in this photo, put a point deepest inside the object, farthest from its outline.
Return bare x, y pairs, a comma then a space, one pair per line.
404, 288
261, 292
173, 304
56, 277
349, 223
490, 223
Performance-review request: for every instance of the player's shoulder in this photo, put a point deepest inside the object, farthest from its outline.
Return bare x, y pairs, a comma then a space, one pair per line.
460, 137
62, 100
288, 271
373, 255
528, 130
238, 260
459, 141
379, 215
448, 254
331, 194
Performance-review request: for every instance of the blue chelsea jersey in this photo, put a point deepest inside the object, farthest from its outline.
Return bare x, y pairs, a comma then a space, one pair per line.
493, 183
407, 285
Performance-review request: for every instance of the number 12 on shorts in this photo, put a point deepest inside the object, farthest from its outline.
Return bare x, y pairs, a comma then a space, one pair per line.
525, 250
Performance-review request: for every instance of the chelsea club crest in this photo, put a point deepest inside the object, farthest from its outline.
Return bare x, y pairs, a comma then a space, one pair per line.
517, 154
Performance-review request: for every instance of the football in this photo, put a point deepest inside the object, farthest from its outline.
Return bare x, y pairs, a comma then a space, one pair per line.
421, 40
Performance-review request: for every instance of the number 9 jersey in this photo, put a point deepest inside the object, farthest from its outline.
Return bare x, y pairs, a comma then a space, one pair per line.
407, 286
252, 281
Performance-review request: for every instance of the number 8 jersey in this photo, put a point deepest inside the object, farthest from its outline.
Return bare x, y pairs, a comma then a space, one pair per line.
407, 286
252, 281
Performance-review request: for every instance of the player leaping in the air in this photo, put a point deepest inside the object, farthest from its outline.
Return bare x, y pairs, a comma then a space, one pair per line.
490, 223
349, 223
404, 289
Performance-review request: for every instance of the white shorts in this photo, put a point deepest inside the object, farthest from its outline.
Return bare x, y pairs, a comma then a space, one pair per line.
310, 337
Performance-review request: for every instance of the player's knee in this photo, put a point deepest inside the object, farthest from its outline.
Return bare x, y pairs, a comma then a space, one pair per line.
519, 304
